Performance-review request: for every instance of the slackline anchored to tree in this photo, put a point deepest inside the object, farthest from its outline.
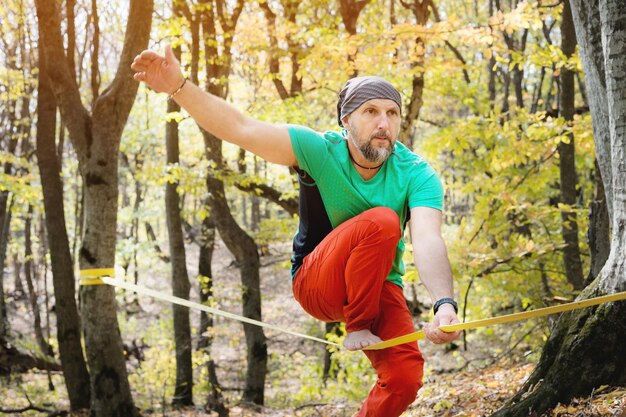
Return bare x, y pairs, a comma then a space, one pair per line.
106, 276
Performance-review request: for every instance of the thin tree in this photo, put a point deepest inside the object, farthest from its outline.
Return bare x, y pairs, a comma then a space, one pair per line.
567, 158
68, 321
239, 243
183, 391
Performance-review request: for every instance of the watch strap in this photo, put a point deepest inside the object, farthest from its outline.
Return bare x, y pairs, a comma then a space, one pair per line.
443, 301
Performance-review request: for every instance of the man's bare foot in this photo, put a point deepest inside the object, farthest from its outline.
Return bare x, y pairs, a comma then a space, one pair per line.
360, 339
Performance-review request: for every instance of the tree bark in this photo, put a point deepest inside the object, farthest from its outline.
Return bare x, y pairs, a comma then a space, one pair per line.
587, 347
96, 139
589, 35
598, 236
68, 321
567, 159
183, 391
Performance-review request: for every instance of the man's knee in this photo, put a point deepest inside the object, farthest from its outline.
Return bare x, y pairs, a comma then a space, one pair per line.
386, 219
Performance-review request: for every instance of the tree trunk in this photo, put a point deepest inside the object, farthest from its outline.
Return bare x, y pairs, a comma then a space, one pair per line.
183, 391
587, 347
205, 272
586, 17
68, 322
244, 249
96, 139
567, 158
421, 12
350, 11
6, 204
4, 240
215, 400
46, 349
18, 293
236, 239
290, 9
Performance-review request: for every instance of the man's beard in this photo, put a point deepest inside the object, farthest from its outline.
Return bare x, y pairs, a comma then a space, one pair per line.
375, 155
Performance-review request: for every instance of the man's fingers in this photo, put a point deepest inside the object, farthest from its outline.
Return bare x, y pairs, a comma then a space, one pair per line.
442, 337
149, 56
139, 76
436, 335
138, 66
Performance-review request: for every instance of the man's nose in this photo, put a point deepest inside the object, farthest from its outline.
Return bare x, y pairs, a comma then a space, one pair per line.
383, 122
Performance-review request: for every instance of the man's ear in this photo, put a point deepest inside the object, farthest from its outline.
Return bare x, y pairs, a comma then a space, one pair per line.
346, 122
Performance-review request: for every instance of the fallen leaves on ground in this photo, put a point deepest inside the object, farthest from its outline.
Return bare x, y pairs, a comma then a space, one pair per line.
481, 392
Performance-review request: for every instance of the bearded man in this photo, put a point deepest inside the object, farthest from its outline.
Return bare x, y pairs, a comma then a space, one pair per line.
358, 190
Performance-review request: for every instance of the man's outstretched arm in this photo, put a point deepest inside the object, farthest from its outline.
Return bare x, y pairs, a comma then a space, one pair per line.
163, 74
431, 259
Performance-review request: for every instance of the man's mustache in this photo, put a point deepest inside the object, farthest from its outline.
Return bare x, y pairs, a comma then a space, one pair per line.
378, 135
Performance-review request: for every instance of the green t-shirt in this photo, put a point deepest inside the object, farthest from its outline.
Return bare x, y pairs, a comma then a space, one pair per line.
404, 181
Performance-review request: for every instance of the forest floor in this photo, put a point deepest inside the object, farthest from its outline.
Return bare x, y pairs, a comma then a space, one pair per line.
473, 382
459, 394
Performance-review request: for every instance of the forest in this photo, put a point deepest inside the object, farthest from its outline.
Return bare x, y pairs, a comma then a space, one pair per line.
518, 105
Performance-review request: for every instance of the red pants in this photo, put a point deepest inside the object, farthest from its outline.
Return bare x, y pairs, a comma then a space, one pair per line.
344, 279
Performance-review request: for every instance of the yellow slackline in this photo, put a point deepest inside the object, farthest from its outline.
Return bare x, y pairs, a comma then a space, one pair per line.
525, 315
93, 276
102, 276
105, 276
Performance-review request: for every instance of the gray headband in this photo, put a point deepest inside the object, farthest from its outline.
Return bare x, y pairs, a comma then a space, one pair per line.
358, 90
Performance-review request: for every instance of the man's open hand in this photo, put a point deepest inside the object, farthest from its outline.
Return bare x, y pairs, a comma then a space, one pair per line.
161, 73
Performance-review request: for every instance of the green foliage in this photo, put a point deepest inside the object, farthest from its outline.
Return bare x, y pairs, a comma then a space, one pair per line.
153, 380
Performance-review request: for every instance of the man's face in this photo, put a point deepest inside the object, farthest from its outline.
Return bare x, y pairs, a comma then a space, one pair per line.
373, 128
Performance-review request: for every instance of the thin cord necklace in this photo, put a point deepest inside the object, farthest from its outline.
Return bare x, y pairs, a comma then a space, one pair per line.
362, 165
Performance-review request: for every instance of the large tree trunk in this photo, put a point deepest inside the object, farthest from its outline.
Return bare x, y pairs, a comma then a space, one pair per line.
567, 158
183, 391
96, 139
587, 348
68, 321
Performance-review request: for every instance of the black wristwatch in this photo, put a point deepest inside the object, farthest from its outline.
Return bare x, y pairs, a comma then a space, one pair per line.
443, 301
